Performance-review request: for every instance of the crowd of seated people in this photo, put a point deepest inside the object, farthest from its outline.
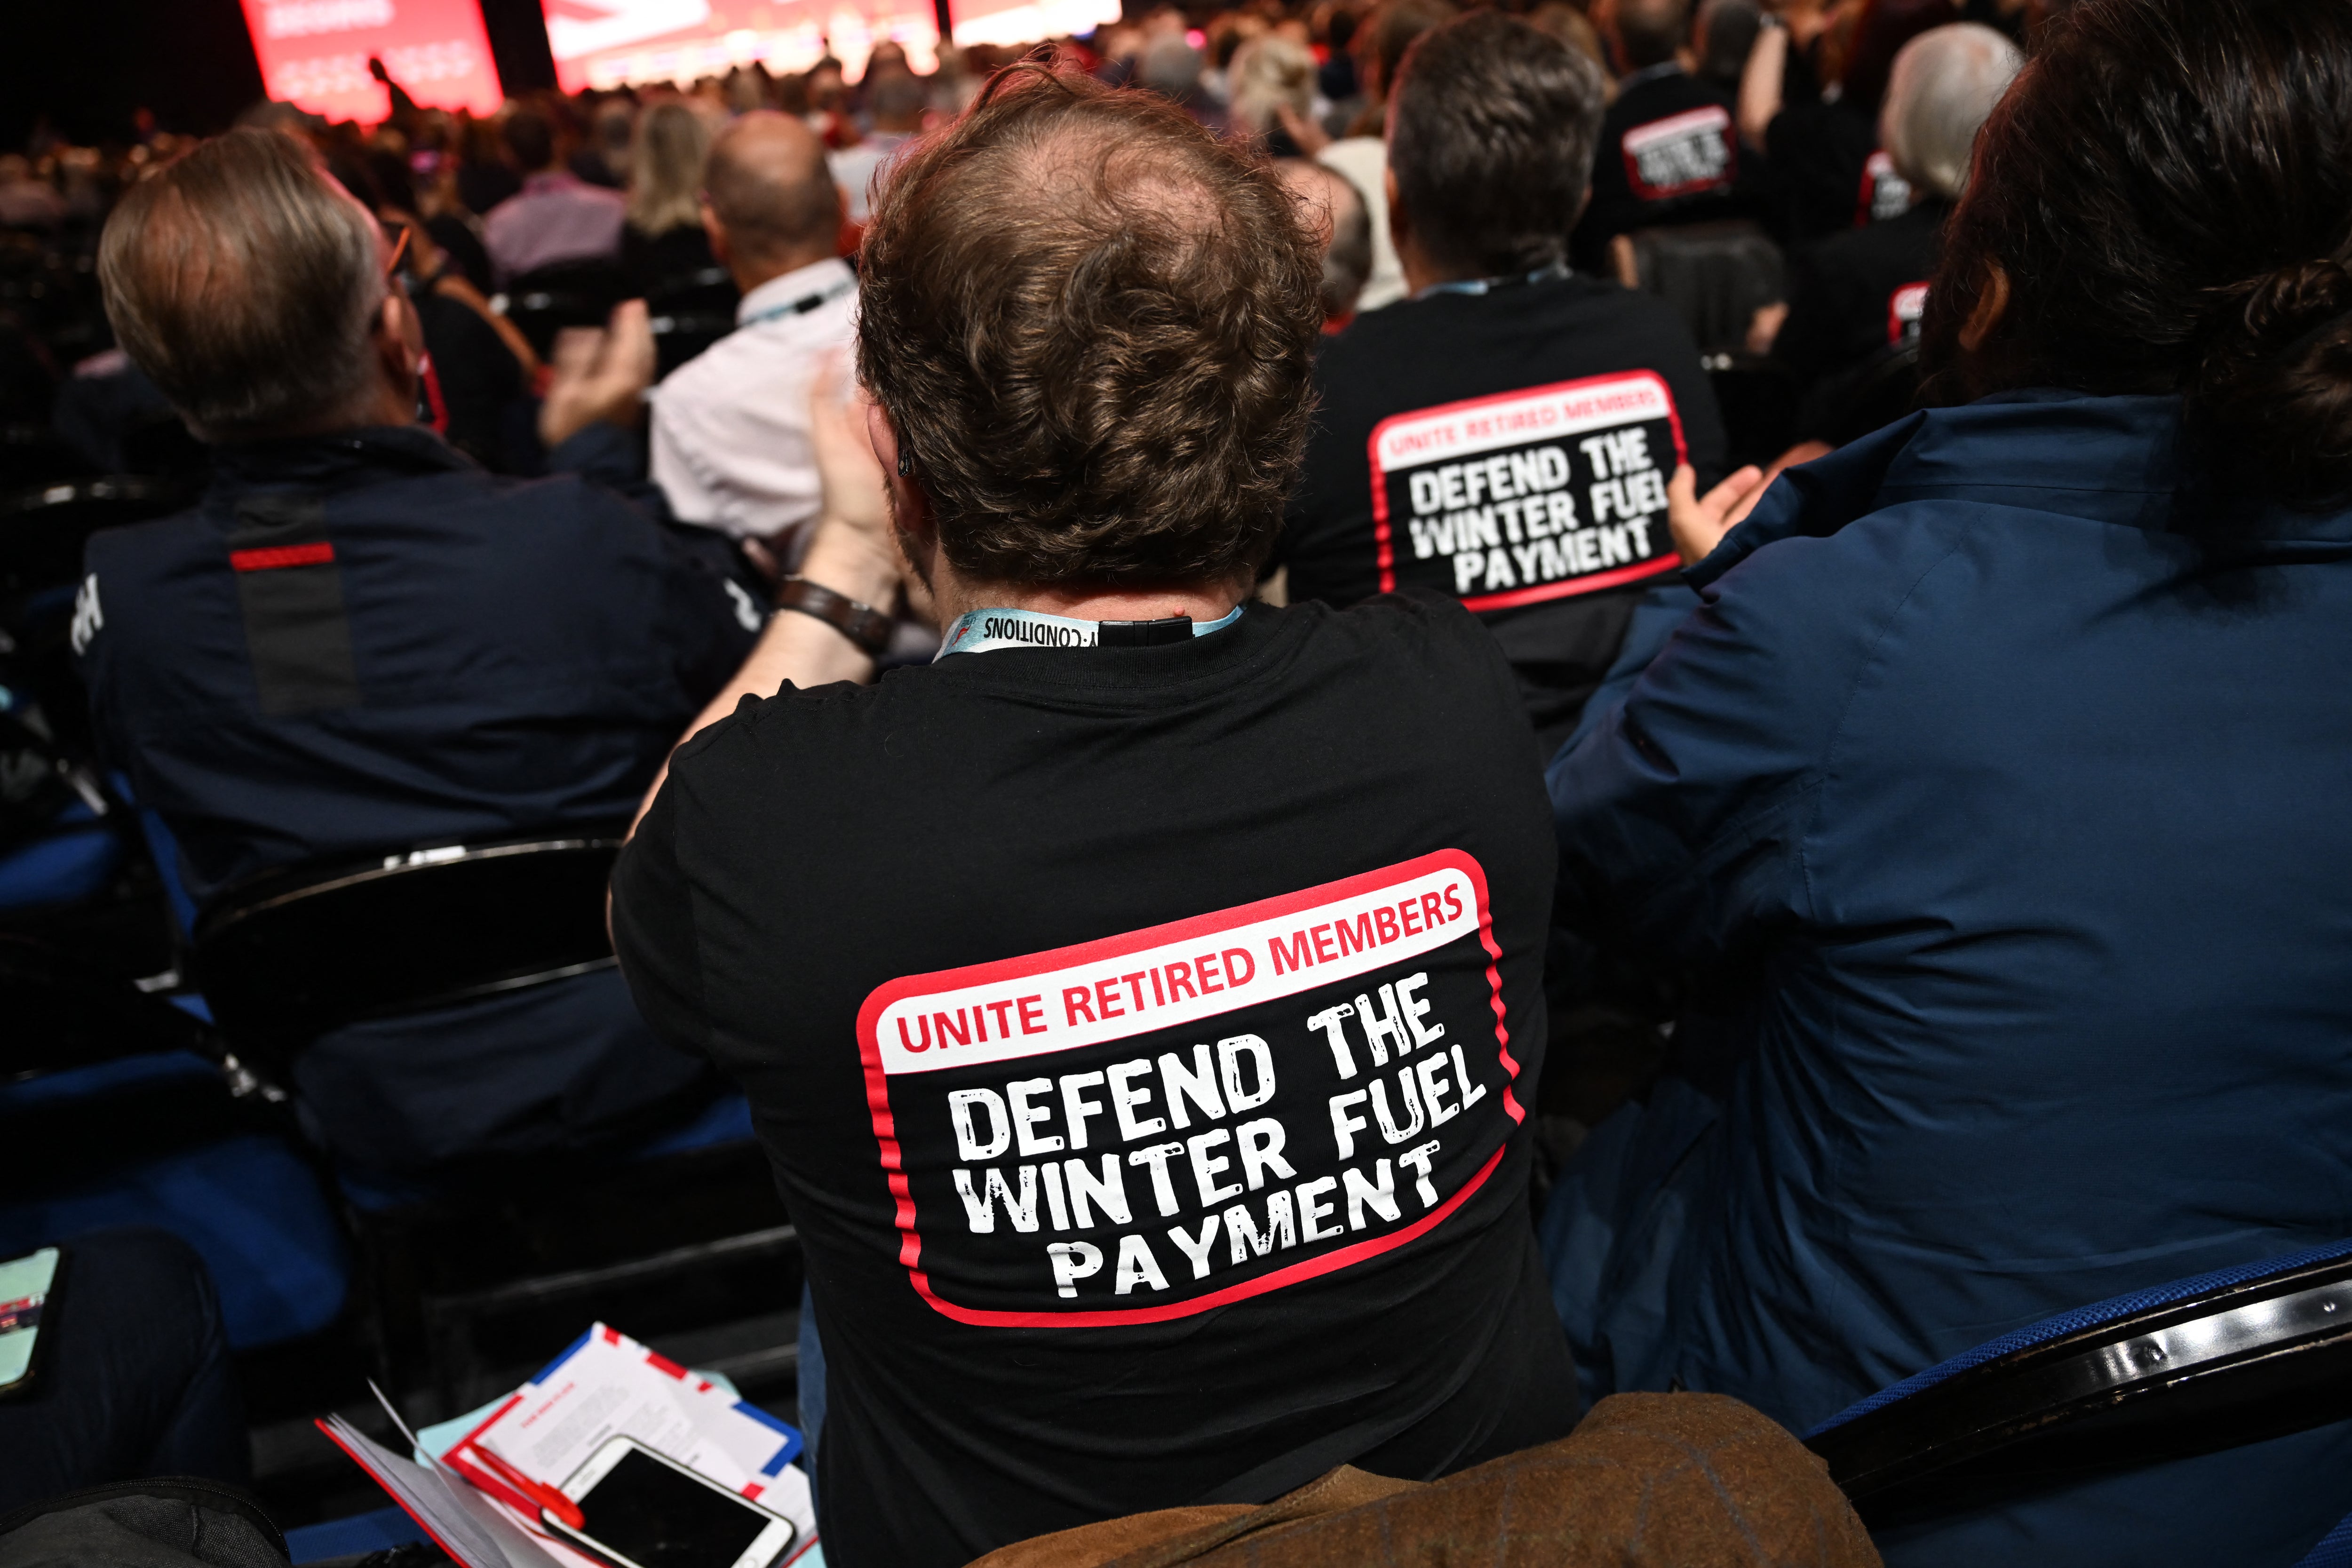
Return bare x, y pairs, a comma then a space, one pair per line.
1201, 608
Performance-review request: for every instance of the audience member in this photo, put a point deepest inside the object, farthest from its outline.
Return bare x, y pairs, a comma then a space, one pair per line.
1989, 805
1273, 82
898, 104
1723, 36
663, 242
1669, 150
556, 216
1335, 214
730, 439
606, 158
1181, 1196
1363, 155
1857, 296
1505, 436
359, 643
1819, 143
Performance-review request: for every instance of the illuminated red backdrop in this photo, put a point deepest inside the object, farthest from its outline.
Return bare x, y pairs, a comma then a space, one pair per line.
314, 53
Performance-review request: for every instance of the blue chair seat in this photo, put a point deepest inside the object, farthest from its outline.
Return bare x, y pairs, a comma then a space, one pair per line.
72, 862
352, 1537
249, 1205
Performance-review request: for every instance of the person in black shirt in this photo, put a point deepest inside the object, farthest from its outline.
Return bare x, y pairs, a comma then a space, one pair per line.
1669, 150
1858, 296
1507, 435
1139, 1003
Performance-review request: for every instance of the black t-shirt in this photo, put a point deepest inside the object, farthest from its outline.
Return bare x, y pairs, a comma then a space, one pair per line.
1511, 449
1668, 154
1143, 1039
1857, 294
1819, 156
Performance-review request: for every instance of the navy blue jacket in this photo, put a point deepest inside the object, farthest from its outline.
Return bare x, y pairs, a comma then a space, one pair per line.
362, 642
2001, 832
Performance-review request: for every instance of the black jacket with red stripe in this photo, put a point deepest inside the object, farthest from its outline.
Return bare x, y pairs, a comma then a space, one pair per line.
362, 642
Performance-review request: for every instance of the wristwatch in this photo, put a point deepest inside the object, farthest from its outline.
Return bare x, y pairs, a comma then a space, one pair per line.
864, 625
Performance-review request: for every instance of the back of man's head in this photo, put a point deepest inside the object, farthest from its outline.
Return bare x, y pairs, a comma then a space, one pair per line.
245, 283
1648, 32
1491, 134
1395, 28
1944, 84
1335, 213
530, 141
771, 191
897, 101
1090, 324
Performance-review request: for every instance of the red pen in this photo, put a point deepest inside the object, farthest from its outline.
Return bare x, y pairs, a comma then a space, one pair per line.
553, 1502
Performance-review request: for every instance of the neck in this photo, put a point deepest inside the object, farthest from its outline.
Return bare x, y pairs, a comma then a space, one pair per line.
1200, 601
750, 275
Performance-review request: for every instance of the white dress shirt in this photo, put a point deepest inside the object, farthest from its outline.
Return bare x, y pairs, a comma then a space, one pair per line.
731, 435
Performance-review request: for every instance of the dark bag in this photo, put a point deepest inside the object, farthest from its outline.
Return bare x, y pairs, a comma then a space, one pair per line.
173, 1522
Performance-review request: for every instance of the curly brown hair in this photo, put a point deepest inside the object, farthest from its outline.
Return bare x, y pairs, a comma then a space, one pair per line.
1091, 325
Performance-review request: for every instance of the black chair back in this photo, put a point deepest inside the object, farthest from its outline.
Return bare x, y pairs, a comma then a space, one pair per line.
43, 527
288, 956
1717, 276
2206, 1365
688, 314
546, 300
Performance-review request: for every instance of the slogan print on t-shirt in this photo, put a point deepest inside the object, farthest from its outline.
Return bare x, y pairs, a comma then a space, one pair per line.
1682, 155
1885, 192
1528, 496
1904, 309
1164, 1121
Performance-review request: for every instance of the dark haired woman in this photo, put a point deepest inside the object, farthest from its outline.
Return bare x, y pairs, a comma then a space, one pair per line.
1996, 804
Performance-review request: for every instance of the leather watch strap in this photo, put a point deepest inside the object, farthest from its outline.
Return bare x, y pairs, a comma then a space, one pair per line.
864, 625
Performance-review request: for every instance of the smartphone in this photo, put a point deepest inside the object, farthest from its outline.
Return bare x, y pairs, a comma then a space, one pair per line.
26, 1287
642, 1510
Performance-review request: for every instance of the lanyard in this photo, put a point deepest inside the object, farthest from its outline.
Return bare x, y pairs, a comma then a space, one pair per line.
982, 631
804, 304
1488, 285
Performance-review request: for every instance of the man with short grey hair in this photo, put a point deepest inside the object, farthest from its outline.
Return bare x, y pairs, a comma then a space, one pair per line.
359, 644
1336, 215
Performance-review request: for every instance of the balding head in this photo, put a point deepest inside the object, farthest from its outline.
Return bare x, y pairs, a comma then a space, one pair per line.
1944, 84
1089, 323
772, 202
247, 285
1335, 214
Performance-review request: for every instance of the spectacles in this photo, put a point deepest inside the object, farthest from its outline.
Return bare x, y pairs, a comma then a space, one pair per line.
399, 250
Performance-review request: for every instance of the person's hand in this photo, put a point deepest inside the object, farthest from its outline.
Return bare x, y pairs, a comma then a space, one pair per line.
375, 69
1304, 130
598, 373
1699, 522
857, 492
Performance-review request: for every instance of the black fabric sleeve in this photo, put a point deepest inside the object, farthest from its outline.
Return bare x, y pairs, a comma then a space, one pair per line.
654, 932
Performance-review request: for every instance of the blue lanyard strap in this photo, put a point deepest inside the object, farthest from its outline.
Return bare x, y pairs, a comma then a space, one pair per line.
804, 305
1488, 285
982, 631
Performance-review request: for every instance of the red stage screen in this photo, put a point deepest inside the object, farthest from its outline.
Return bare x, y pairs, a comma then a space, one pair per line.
314, 53
604, 43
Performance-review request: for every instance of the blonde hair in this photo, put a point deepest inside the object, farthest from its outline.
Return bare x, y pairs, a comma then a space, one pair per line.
666, 168
1268, 71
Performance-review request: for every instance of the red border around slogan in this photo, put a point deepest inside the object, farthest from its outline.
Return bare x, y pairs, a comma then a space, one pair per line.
878, 1087
1384, 550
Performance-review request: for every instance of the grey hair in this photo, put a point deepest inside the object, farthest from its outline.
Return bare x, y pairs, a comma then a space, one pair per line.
245, 283
1945, 82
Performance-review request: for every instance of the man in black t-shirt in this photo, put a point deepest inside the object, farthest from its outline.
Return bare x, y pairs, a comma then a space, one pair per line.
1140, 1003
1669, 150
1507, 435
